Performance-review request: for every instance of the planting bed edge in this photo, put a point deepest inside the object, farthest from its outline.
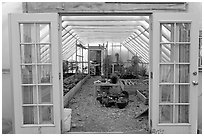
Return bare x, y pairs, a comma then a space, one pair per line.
142, 97
74, 90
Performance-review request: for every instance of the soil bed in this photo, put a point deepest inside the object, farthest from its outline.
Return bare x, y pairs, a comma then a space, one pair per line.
88, 115
71, 81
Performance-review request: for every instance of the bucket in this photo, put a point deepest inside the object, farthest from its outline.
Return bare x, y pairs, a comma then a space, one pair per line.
67, 119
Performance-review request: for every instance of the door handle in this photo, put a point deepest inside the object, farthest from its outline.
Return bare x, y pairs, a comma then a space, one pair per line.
195, 82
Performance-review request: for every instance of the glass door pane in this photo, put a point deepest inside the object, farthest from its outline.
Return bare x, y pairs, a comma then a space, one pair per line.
167, 32
44, 53
46, 115
183, 32
166, 53
28, 74
174, 73
166, 73
27, 33
182, 93
183, 73
36, 74
43, 33
166, 114
30, 115
44, 74
45, 94
29, 95
182, 114
27, 53
166, 93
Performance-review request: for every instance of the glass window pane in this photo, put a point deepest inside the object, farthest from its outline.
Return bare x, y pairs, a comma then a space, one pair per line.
182, 53
183, 32
29, 94
166, 114
45, 94
27, 53
44, 74
27, 33
182, 114
85, 69
43, 33
46, 115
166, 53
166, 73
30, 115
85, 54
182, 94
43, 53
182, 73
166, 93
167, 33
28, 74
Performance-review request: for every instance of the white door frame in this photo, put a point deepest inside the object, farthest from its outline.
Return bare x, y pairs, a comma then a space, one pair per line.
154, 124
14, 20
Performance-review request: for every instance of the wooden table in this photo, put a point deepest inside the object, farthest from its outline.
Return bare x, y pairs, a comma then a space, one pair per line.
97, 87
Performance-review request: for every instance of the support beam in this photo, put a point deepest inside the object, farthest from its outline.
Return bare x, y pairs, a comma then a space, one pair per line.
70, 56
68, 43
128, 49
73, 36
68, 40
65, 32
137, 51
138, 47
68, 48
145, 47
105, 18
145, 40
68, 35
142, 41
142, 53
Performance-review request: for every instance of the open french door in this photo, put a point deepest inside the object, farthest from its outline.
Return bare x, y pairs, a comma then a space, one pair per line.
35, 73
173, 87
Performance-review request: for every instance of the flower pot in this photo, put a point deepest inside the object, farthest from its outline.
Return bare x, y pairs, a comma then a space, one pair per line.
121, 105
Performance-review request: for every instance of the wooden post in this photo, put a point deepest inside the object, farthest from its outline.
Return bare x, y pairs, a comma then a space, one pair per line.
120, 51
76, 58
88, 60
82, 61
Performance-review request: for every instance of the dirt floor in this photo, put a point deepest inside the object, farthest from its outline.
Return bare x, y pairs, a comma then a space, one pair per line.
88, 115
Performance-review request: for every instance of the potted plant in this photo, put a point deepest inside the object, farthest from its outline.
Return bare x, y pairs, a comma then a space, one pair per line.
114, 79
122, 102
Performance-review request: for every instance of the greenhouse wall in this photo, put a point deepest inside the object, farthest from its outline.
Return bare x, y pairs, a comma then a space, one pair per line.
11, 7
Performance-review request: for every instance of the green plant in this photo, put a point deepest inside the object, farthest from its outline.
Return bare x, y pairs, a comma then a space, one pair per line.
114, 78
143, 71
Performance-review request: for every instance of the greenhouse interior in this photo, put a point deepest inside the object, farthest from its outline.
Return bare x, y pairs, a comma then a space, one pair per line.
112, 50
112, 42
113, 47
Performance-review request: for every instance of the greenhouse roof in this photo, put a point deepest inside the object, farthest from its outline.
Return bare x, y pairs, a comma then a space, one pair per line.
132, 32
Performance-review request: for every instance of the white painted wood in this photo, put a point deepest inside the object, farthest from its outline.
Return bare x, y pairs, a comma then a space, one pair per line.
175, 128
14, 20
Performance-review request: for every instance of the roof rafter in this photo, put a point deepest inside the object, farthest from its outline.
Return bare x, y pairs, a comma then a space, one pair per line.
140, 52
146, 47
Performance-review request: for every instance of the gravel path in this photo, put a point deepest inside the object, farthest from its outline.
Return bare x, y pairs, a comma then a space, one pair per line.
88, 115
